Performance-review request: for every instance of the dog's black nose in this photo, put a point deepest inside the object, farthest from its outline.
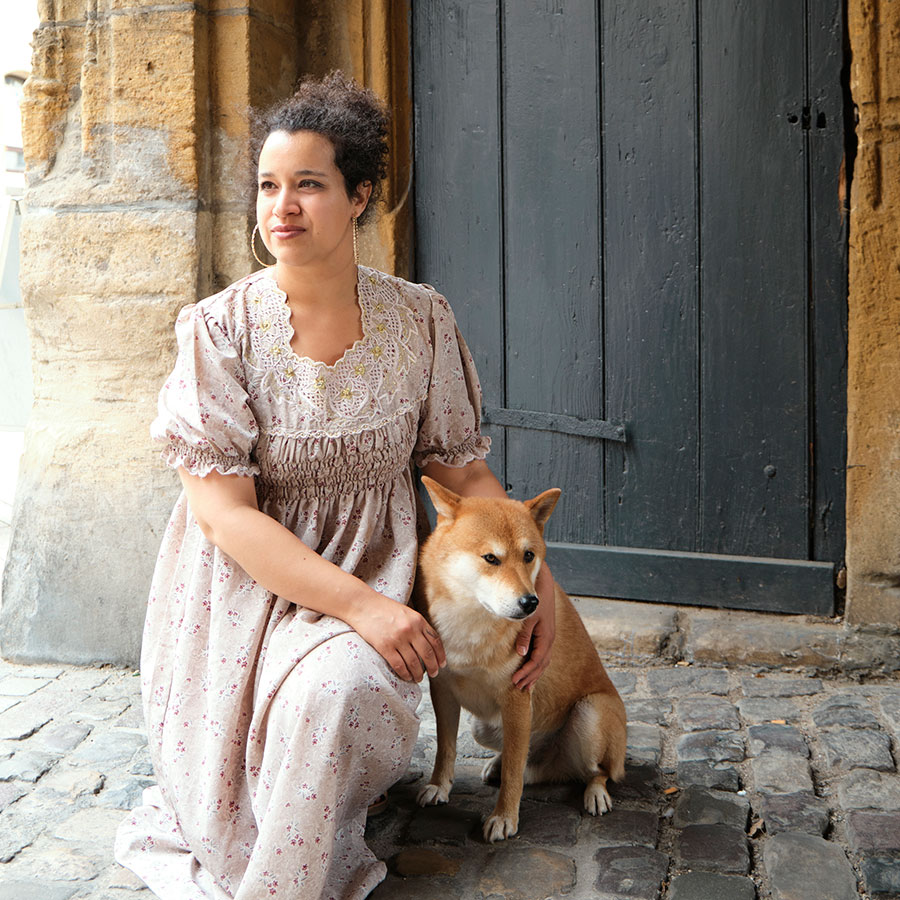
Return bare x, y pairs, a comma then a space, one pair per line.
529, 604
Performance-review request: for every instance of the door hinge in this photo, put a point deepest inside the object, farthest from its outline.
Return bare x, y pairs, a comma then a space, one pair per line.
543, 421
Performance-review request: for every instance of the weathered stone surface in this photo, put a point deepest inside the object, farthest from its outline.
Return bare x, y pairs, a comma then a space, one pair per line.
73, 783
780, 686
846, 711
422, 862
10, 791
798, 865
714, 746
544, 823
141, 765
873, 832
37, 890
746, 639
714, 848
100, 710
781, 775
762, 710
624, 680
707, 714
682, 680
644, 744
707, 886
794, 812
114, 749
450, 824
394, 887
123, 792
640, 783
626, 827
867, 789
626, 630
700, 806
630, 872
890, 706
709, 775
776, 740
16, 686
48, 858
93, 828
26, 765
881, 875
64, 737
521, 874
22, 721
653, 711
858, 749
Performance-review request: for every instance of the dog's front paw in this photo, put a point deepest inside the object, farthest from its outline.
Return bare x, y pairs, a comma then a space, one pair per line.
433, 795
500, 827
597, 800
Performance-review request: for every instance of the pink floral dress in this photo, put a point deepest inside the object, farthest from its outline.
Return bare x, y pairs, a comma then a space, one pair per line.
272, 727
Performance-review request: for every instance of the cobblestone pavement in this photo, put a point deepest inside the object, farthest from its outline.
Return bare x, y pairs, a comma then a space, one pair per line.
739, 785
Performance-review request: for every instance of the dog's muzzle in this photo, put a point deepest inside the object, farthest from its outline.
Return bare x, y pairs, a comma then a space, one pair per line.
528, 604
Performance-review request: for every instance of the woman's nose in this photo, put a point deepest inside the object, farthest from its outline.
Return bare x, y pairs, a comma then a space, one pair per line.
286, 203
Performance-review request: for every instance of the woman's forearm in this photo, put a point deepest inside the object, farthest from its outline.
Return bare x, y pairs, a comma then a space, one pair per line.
278, 560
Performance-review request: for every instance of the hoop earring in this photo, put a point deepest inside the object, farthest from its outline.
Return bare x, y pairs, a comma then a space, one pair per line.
355, 241
253, 247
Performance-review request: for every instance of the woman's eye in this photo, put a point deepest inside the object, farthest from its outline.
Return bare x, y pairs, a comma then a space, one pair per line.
310, 184
266, 185
490, 559
529, 556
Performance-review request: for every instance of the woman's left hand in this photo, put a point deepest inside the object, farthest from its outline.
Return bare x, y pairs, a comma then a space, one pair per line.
537, 634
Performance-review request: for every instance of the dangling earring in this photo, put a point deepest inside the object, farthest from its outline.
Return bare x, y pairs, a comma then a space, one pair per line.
355, 241
253, 247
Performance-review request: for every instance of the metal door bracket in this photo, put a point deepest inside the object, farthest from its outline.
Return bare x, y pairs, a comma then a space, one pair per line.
543, 421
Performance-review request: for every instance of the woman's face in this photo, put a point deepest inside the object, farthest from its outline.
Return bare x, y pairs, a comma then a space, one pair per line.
305, 216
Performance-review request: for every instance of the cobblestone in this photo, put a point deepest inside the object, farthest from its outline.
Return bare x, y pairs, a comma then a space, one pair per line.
707, 714
714, 848
776, 740
858, 750
804, 867
699, 806
687, 803
794, 812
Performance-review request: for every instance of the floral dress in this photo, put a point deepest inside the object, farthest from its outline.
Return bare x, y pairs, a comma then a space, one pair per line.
272, 727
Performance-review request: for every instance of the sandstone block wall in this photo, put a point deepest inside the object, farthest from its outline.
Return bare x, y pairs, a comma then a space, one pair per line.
873, 402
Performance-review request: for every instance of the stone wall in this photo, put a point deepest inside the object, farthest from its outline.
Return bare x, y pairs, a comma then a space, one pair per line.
135, 128
873, 401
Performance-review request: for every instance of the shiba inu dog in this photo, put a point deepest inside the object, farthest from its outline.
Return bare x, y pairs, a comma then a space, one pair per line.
479, 569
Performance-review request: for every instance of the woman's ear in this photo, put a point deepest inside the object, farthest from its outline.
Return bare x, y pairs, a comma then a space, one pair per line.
361, 197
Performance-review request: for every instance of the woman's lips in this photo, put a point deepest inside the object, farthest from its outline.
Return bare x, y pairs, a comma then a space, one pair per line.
283, 232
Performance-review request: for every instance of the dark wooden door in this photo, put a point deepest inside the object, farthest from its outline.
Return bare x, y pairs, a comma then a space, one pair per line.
633, 207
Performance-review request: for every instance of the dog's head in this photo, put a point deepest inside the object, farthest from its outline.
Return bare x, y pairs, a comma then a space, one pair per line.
489, 549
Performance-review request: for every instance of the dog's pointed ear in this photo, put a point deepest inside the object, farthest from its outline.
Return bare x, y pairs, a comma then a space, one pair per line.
444, 500
541, 506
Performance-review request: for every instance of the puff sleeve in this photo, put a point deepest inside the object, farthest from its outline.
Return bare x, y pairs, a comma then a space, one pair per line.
450, 421
204, 419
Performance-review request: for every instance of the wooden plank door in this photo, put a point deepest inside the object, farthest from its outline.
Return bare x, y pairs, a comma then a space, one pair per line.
624, 202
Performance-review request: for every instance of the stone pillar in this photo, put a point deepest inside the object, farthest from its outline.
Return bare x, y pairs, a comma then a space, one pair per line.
873, 402
135, 130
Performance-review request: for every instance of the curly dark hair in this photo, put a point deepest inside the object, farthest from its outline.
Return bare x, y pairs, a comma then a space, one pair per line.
352, 117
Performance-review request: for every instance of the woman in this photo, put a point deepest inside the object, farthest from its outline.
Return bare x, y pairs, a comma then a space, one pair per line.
280, 660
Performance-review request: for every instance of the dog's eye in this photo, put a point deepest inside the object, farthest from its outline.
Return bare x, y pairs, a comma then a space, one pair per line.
529, 556
490, 559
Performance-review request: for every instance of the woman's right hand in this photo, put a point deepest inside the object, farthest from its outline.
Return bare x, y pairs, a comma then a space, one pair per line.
405, 639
